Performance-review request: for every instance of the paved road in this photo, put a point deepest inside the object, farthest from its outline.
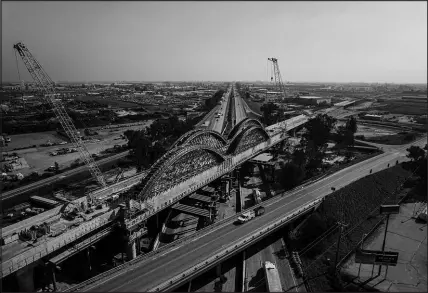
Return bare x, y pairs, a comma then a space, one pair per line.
216, 124
36, 185
241, 114
150, 273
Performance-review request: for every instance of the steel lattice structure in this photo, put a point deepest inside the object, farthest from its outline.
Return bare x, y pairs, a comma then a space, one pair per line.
278, 78
47, 86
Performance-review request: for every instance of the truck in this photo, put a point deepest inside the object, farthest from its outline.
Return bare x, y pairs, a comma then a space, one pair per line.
273, 282
245, 217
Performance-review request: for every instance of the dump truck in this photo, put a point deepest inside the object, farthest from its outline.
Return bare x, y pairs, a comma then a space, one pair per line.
245, 217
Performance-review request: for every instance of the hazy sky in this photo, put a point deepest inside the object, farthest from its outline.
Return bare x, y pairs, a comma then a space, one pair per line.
219, 41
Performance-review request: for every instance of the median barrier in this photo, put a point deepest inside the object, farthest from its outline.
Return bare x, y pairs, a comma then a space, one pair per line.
202, 232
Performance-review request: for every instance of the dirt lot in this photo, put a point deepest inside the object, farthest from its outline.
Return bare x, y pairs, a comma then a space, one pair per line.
369, 131
407, 237
353, 205
30, 139
38, 159
403, 107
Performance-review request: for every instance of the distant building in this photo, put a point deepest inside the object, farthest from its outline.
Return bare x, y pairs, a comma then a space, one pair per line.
372, 117
312, 100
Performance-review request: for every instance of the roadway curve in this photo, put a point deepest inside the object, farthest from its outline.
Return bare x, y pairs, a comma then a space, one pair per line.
146, 275
57, 178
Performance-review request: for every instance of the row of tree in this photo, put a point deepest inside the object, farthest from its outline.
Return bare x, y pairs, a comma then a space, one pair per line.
151, 143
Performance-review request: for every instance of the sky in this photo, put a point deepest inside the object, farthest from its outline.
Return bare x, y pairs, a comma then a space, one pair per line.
218, 41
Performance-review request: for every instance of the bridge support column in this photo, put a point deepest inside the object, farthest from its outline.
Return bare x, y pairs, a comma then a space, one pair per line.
218, 270
25, 278
131, 250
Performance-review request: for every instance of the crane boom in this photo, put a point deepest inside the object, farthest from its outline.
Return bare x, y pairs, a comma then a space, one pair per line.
278, 78
46, 85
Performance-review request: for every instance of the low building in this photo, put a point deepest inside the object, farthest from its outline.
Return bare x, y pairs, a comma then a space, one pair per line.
373, 117
312, 100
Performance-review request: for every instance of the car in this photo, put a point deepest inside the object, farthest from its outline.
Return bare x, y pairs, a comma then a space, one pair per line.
63, 142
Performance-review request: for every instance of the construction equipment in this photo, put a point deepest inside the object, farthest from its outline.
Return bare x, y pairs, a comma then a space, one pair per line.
47, 87
120, 175
278, 78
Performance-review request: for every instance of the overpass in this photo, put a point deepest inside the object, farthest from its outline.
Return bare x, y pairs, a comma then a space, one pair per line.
197, 158
180, 261
174, 176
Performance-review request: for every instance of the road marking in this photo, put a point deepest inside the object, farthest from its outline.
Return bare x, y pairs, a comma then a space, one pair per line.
388, 158
234, 230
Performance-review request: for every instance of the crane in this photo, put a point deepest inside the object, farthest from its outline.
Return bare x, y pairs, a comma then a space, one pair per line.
277, 74
47, 87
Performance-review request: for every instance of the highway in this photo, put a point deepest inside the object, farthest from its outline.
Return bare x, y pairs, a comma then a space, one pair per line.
57, 178
216, 124
145, 275
241, 114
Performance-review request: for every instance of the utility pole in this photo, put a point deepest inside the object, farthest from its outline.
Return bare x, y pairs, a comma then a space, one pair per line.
342, 225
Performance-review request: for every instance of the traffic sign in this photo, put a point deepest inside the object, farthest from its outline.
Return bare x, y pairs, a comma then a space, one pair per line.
388, 260
376, 257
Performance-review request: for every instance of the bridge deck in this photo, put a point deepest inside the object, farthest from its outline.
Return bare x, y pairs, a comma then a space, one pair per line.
191, 210
200, 197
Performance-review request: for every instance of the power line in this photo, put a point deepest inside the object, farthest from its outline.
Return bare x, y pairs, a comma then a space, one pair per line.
317, 240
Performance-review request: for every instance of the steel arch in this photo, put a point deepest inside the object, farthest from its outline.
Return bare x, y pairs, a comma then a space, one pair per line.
241, 136
153, 177
243, 124
191, 138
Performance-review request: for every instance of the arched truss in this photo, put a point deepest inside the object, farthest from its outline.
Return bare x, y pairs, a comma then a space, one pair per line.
243, 124
201, 137
184, 163
247, 138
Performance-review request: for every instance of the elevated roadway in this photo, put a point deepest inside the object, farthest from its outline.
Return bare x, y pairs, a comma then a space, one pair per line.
16, 255
33, 187
240, 110
158, 270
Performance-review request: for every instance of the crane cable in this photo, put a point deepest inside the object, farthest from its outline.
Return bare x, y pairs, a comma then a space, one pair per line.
17, 67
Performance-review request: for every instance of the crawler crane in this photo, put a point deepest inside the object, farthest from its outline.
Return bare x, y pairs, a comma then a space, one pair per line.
277, 75
47, 87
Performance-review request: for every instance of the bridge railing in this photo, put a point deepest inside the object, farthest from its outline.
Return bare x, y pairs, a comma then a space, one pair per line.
178, 242
244, 241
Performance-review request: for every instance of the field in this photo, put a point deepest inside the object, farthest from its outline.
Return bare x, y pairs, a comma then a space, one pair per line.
354, 206
39, 159
255, 106
403, 107
30, 139
108, 101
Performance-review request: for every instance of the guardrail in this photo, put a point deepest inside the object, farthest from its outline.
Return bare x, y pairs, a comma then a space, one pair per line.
227, 252
201, 233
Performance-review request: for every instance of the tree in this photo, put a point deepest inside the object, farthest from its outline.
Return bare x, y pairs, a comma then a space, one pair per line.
269, 113
351, 125
299, 157
318, 131
314, 141
290, 175
415, 153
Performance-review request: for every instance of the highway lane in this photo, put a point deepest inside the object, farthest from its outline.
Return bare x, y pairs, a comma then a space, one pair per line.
241, 114
152, 272
216, 124
57, 178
